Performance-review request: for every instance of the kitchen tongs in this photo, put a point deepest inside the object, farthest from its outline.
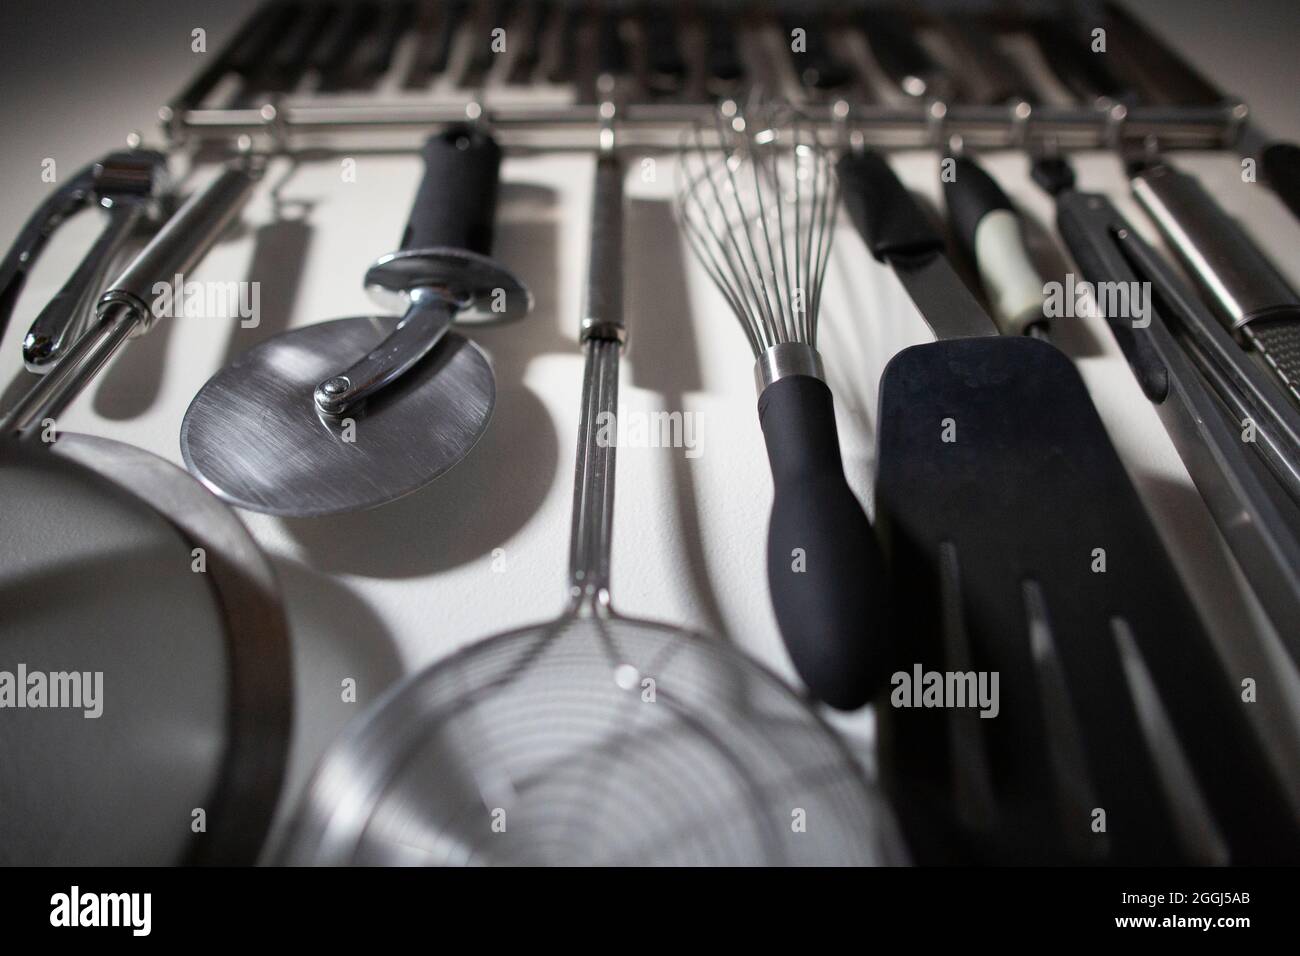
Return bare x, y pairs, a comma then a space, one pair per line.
1020, 552
1233, 427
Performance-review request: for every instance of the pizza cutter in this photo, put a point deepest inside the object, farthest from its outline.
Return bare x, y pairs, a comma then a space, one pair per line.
345, 415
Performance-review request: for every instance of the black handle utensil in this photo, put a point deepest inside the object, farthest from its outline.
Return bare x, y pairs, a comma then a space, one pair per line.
1023, 553
988, 230
1205, 388
758, 209
299, 425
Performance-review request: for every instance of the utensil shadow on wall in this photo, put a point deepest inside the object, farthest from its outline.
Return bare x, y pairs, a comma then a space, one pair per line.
665, 360
487, 498
280, 249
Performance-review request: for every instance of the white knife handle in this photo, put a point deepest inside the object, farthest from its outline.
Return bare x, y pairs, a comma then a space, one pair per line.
1013, 285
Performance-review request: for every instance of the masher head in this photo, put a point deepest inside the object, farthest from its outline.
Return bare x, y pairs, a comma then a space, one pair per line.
253, 434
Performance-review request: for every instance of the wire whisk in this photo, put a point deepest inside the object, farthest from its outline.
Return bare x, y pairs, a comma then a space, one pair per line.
757, 199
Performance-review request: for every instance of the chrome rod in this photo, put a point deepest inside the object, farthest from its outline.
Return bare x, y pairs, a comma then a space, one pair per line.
314, 122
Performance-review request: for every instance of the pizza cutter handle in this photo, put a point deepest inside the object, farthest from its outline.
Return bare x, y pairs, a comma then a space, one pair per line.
457, 200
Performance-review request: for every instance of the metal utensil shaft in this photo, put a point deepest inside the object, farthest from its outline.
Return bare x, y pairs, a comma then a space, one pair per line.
604, 333
124, 309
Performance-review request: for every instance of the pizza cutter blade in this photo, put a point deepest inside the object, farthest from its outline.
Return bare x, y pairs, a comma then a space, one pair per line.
253, 436
345, 415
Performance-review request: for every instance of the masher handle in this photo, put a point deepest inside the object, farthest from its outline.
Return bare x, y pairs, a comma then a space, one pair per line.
825, 569
456, 204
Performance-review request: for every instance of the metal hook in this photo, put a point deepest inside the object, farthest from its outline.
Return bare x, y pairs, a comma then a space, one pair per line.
608, 111
936, 117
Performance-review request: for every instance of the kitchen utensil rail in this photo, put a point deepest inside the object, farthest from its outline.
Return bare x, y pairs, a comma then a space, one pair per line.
315, 122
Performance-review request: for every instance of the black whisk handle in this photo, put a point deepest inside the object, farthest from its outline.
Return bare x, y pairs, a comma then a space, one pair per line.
457, 200
825, 568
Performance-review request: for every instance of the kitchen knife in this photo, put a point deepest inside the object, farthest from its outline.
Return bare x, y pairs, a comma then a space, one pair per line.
897, 231
988, 231
1244, 289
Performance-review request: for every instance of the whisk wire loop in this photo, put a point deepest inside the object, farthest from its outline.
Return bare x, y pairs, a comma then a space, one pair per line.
757, 197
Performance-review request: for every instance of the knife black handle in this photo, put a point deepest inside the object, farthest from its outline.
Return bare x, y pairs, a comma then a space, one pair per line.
1280, 165
456, 203
971, 194
825, 569
889, 220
